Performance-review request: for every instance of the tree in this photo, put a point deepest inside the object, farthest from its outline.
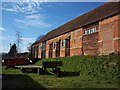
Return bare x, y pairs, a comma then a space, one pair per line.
29, 47
19, 39
39, 37
13, 51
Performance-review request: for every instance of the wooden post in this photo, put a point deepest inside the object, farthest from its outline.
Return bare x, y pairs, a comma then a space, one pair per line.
40, 71
23, 70
58, 72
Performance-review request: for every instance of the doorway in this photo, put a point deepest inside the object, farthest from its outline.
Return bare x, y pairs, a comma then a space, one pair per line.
67, 47
50, 50
58, 49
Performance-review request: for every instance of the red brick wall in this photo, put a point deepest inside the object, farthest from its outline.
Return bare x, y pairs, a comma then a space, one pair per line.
108, 35
105, 40
75, 43
34, 55
90, 41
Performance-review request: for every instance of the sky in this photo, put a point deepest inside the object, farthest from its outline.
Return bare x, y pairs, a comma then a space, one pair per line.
32, 19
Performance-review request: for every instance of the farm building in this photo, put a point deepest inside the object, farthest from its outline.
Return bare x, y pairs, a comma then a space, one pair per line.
93, 33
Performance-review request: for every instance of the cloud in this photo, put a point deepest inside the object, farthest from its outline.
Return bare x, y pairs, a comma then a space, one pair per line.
28, 40
31, 10
23, 7
35, 20
10, 39
2, 38
12, 10
2, 29
26, 43
34, 16
19, 21
4, 48
37, 23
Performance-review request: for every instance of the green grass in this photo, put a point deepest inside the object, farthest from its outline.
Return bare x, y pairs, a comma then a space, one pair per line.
77, 72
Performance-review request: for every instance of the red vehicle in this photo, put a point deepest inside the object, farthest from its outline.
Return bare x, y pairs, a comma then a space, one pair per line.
13, 61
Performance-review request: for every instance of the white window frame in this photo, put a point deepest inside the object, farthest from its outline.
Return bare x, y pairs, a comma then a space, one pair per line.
92, 30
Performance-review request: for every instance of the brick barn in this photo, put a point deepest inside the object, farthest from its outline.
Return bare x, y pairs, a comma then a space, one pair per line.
93, 33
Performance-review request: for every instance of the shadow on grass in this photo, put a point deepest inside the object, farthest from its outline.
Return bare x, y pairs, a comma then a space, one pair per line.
62, 73
68, 74
20, 81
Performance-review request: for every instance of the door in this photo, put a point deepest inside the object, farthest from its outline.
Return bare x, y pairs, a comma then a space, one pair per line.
34, 51
50, 50
67, 47
43, 54
57, 49
37, 51
108, 44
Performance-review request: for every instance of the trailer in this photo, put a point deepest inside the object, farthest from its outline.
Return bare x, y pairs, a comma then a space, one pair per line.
40, 69
11, 62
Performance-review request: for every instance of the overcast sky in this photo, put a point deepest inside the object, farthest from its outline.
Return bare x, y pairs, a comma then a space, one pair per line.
35, 18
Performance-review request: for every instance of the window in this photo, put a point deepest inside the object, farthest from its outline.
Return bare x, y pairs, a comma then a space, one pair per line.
88, 30
63, 43
92, 30
85, 32
95, 29
54, 44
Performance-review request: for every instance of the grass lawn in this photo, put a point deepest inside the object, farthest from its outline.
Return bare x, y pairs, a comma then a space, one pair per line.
77, 72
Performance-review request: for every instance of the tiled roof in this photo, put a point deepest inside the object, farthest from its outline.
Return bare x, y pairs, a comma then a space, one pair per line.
103, 11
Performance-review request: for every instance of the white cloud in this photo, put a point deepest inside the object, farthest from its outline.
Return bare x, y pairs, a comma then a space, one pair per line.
34, 16
4, 48
30, 9
37, 23
35, 20
32, 12
2, 37
28, 40
21, 27
12, 10
9, 38
24, 7
19, 21
3, 29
